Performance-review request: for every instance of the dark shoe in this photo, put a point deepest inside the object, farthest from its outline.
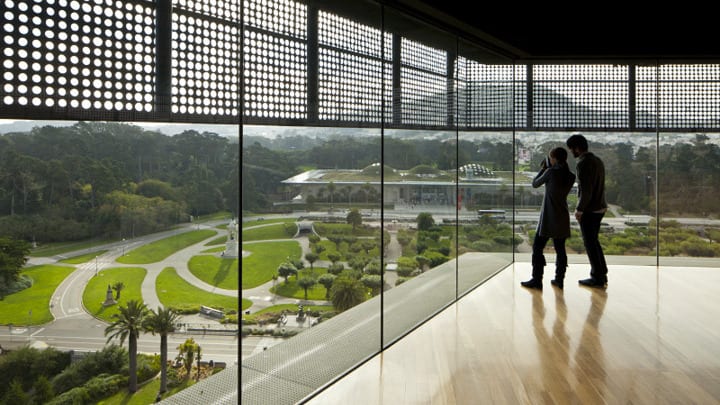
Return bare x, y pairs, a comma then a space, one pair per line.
534, 284
557, 283
592, 283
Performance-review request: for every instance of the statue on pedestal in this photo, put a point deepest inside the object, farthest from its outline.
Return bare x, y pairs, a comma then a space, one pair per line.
231, 246
109, 300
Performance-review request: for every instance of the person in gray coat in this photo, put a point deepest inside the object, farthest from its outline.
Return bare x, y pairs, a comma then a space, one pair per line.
554, 217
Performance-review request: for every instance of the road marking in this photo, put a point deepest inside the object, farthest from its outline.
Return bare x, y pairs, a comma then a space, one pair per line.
38, 331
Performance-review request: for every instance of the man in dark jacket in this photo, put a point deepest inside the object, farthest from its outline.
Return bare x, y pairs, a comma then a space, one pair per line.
554, 217
591, 207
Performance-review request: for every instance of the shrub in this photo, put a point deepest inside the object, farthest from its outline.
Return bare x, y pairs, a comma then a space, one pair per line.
111, 359
28, 364
148, 366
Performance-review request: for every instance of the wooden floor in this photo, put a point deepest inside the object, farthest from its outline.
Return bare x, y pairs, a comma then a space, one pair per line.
653, 337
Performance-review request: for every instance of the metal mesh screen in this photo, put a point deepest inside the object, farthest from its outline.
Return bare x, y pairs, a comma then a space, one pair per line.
682, 96
350, 71
496, 96
586, 96
423, 84
73, 58
205, 55
275, 60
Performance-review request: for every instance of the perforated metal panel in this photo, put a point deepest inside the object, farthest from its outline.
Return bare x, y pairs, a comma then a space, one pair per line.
275, 60
205, 60
496, 96
683, 96
586, 96
423, 85
351, 72
78, 58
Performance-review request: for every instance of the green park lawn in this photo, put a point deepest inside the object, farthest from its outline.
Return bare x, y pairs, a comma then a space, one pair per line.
220, 240
246, 304
270, 232
161, 249
33, 304
288, 307
145, 394
265, 257
251, 222
291, 289
57, 248
214, 250
96, 289
175, 292
217, 271
83, 258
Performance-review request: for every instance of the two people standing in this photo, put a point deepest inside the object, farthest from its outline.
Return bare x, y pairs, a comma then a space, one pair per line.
555, 217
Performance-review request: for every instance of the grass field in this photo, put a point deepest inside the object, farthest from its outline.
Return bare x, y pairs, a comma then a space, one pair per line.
256, 222
53, 249
145, 394
246, 304
174, 291
275, 231
222, 273
262, 264
96, 289
83, 258
293, 290
159, 250
32, 305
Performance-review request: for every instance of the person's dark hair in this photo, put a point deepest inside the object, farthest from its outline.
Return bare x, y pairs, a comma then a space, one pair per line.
577, 141
560, 154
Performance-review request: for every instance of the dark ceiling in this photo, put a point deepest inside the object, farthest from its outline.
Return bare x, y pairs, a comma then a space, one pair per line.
601, 31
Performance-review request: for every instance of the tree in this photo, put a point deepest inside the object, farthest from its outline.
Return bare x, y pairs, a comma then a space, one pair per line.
162, 322
42, 390
354, 218
199, 356
127, 324
312, 258
334, 257
425, 221
346, 292
373, 282
13, 256
186, 353
327, 280
118, 286
16, 394
286, 270
305, 283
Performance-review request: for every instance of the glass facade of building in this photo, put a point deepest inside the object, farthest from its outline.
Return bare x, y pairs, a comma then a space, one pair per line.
386, 164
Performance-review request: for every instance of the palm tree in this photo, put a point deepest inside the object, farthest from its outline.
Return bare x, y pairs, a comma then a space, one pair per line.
118, 286
128, 323
162, 322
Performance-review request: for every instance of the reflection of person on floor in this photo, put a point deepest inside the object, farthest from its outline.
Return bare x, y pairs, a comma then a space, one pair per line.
552, 349
589, 354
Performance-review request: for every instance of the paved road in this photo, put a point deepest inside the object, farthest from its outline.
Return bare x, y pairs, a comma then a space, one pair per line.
75, 329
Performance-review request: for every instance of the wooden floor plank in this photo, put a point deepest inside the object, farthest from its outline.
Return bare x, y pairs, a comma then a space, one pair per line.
650, 338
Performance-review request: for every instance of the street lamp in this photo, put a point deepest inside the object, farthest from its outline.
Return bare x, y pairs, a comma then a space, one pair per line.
96, 266
123, 247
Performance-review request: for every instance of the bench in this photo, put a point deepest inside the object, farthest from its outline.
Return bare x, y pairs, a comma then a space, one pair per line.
211, 312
